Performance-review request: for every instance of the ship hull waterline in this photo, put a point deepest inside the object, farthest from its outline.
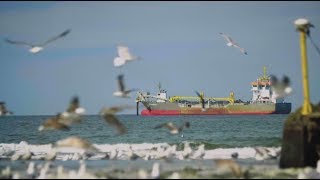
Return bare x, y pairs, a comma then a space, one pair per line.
250, 109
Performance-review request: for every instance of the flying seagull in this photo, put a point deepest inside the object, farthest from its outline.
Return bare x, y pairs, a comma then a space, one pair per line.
108, 115
76, 142
36, 48
124, 56
172, 128
122, 92
73, 113
54, 124
231, 42
280, 89
202, 100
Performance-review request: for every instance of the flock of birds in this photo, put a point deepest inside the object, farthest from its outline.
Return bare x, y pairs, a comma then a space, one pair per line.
74, 114
62, 121
125, 56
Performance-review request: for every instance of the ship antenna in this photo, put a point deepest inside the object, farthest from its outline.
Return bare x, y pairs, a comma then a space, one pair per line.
264, 77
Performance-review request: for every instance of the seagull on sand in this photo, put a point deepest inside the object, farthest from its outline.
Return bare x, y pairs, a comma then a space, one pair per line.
36, 48
231, 42
108, 115
172, 128
280, 89
122, 92
124, 56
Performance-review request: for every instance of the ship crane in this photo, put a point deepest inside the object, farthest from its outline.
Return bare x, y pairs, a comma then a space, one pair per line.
177, 98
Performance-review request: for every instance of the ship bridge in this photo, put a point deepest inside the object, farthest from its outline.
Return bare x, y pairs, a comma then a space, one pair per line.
262, 91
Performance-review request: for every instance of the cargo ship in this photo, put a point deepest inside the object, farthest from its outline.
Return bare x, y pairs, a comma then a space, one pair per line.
263, 101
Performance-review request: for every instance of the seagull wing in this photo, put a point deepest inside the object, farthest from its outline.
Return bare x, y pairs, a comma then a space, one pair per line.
19, 43
118, 61
121, 83
227, 38
123, 52
114, 109
201, 98
113, 121
57, 37
241, 49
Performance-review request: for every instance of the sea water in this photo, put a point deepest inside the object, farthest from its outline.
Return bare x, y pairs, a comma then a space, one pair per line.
222, 135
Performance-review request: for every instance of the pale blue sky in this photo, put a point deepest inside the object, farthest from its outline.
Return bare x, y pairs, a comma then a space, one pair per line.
179, 42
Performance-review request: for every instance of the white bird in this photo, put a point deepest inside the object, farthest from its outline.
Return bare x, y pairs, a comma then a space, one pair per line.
122, 92
36, 48
280, 89
155, 173
231, 42
31, 168
124, 56
82, 169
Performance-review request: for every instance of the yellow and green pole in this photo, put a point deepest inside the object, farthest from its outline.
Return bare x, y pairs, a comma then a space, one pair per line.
303, 28
301, 133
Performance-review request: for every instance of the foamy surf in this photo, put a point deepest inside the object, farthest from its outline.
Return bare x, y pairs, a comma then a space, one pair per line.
145, 151
163, 161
